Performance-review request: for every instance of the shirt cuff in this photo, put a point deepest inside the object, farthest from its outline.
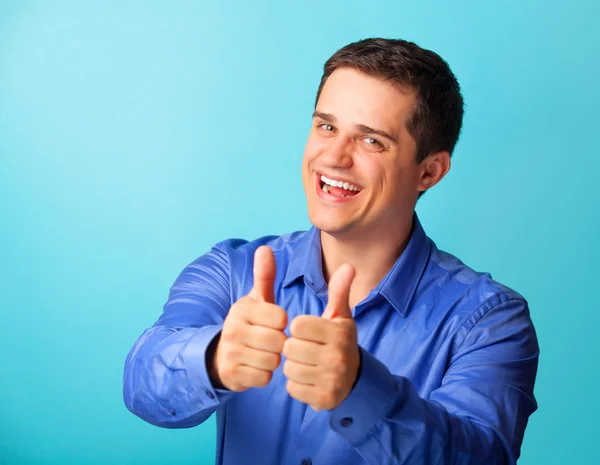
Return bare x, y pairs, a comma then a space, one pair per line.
369, 401
198, 372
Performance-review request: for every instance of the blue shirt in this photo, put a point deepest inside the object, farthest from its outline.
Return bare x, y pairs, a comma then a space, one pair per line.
448, 362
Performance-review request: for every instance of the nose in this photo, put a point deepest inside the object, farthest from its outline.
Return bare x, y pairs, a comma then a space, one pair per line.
338, 153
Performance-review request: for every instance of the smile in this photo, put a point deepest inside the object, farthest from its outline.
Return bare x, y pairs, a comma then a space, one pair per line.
338, 189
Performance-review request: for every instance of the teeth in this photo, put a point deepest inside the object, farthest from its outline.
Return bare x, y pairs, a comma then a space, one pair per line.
342, 184
326, 188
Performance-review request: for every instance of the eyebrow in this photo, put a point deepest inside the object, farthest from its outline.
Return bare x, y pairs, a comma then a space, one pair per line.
361, 127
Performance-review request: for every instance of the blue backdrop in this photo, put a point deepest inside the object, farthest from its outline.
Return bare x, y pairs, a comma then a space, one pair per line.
134, 135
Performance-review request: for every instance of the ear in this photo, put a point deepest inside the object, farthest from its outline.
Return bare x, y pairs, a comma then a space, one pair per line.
432, 169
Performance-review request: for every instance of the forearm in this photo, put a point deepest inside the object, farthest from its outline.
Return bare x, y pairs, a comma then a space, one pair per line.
390, 423
420, 431
166, 381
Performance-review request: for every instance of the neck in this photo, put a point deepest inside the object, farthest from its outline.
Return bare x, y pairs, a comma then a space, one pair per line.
372, 255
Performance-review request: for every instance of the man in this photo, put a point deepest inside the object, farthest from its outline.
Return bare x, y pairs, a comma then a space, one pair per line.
358, 341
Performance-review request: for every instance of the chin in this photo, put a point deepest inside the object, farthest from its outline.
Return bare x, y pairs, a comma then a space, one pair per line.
332, 226
333, 221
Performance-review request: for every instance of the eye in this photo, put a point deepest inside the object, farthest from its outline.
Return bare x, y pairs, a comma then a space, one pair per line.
373, 142
325, 127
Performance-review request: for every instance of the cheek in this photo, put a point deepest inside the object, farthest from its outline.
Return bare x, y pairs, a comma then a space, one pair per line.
402, 184
371, 171
386, 180
312, 150
310, 154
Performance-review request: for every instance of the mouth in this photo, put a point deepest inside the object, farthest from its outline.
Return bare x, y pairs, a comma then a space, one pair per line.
337, 189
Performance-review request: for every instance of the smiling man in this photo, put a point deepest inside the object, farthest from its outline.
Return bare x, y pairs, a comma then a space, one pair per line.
358, 341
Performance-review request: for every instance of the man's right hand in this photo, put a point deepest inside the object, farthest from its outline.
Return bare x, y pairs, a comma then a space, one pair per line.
250, 344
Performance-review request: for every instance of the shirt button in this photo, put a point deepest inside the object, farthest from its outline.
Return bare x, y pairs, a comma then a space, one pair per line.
209, 394
306, 462
345, 422
172, 412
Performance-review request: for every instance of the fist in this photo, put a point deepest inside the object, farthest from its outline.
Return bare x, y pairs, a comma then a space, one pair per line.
322, 353
250, 344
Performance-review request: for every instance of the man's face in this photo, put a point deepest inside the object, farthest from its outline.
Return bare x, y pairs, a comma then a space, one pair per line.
359, 137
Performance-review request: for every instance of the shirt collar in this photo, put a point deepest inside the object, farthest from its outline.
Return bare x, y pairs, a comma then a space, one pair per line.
306, 260
400, 283
397, 286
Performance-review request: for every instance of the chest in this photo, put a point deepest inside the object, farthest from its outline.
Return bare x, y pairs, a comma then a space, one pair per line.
417, 345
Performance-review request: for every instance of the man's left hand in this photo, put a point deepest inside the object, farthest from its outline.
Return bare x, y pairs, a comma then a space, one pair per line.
322, 353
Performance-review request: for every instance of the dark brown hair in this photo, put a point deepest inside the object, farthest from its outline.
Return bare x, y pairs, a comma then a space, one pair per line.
437, 118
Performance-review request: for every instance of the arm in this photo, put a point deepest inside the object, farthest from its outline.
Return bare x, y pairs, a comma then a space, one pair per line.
166, 379
478, 414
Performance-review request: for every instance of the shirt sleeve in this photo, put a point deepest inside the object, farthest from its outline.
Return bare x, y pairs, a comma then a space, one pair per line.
478, 414
165, 380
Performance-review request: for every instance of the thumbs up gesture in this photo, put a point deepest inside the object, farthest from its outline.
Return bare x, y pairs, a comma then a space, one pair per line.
322, 353
250, 344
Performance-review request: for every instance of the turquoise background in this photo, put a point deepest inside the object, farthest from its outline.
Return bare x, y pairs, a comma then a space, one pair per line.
134, 135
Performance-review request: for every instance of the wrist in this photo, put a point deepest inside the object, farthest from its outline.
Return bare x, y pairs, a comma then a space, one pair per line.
211, 363
358, 370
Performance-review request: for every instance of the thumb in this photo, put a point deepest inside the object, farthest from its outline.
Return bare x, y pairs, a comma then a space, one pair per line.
338, 305
264, 275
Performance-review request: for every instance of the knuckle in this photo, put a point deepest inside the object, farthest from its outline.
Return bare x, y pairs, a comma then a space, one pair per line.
227, 371
281, 338
252, 333
334, 360
344, 334
289, 387
274, 340
297, 325
287, 369
275, 361
232, 352
280, 318
270, 361
324, 399
233, 330
340, 370
303, 324
288, 347
262, 378
235, 383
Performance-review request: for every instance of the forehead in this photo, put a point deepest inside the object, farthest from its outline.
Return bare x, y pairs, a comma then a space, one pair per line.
354, 97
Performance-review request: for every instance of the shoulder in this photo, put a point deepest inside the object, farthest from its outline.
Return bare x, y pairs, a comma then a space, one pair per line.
239, 256
237, 249
455, 298
462, 290
234, 255
456, 275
